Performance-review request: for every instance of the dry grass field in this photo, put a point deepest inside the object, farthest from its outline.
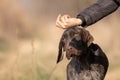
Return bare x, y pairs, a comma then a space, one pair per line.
29, 40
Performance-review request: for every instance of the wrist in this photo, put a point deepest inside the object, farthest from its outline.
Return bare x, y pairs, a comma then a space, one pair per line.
83, 24
79, 22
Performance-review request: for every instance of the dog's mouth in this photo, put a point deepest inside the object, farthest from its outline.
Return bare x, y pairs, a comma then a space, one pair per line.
74, 52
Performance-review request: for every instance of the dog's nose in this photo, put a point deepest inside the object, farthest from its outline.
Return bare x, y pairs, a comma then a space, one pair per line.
70, 48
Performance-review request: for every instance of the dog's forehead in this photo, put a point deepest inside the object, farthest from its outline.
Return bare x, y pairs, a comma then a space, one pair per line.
73, 30
71, 33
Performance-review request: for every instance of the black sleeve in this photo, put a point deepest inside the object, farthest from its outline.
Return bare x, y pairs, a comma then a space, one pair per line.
97, 11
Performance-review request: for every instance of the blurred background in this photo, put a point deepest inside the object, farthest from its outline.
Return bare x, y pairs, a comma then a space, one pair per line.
29, 39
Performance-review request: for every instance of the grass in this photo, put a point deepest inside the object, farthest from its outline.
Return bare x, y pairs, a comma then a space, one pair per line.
40, 74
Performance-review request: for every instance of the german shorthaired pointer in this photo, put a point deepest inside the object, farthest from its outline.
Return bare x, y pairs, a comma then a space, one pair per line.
88, 61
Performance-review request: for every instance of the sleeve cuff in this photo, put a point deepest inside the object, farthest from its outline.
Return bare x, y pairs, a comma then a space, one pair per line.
83, 21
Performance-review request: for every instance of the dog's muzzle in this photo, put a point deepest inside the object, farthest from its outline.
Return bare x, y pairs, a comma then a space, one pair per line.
74, 47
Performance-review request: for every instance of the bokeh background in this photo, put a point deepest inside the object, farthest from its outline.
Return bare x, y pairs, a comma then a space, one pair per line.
29, 39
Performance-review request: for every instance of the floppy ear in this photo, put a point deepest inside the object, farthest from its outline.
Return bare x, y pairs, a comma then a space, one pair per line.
90, 39
60, 55
87, 37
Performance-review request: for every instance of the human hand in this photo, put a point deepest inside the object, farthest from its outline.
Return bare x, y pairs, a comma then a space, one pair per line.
66, 21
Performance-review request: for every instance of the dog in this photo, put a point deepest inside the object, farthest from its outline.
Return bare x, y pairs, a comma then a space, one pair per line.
88, 61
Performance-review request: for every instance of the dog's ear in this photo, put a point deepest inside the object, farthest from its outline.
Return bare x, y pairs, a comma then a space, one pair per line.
60, 52
87, 37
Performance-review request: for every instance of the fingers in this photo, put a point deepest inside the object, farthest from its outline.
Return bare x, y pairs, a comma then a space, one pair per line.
66, 17
59, 22
66, 21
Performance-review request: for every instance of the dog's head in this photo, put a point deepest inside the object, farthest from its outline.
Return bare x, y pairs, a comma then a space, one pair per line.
74, 41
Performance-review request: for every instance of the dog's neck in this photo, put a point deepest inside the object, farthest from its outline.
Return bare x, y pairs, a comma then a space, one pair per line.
81, 58
81, 61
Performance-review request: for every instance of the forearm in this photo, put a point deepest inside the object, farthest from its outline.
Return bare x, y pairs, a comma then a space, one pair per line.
97, 11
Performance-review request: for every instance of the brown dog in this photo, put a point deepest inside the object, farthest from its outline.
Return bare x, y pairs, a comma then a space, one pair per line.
88, 60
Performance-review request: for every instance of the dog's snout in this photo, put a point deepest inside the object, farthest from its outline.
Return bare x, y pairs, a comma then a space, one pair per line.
70, 48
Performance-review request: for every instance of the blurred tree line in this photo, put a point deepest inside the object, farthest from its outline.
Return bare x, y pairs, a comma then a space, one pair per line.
27, 16
31, 16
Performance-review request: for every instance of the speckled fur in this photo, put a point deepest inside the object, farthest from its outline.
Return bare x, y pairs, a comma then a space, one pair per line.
89, 66
88, 61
